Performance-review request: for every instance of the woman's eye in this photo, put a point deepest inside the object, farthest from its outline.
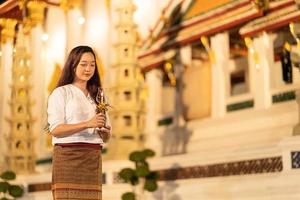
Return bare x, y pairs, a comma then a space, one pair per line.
83, 65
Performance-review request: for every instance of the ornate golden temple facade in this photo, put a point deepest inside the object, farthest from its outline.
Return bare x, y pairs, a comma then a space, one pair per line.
212, 89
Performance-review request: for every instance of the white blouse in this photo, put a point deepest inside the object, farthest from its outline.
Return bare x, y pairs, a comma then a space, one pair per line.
69, 105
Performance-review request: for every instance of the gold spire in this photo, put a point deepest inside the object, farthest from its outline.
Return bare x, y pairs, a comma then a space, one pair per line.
8, 29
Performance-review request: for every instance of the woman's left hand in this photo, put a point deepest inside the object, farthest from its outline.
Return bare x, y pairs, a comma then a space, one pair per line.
104, 133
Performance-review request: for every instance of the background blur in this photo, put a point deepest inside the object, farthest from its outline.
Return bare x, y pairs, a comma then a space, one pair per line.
210, 86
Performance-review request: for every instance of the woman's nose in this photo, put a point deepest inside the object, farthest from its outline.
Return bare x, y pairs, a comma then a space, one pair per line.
88, 68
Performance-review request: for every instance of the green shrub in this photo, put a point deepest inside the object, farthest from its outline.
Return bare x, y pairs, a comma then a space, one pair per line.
140, 175
9, 191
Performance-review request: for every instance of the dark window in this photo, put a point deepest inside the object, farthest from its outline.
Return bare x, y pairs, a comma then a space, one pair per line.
126, 52
127, 95
126, 72
127, 120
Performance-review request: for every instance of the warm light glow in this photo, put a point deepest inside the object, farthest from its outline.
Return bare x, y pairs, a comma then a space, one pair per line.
287, 46
248, 42
256, 60
22, 78
168, 67
53, 52
150, 10
81, 20
257, 66
22, 93
21, 62
253, 52
204, 41
292, 30
144, 93
45, 37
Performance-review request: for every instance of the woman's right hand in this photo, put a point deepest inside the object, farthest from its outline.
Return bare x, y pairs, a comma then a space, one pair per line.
97, 121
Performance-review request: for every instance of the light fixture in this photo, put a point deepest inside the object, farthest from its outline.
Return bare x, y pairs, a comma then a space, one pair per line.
22, 78
81, 20
45, 37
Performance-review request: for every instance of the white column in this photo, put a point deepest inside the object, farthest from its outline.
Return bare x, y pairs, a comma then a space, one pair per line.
6, 80
186, 61
186, 55
154, 83
74, 29
37, 52
38, 92
56, 44
260, 70
220, 74
54, 48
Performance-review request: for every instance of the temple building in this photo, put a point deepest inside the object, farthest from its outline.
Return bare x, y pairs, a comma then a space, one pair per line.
211, 86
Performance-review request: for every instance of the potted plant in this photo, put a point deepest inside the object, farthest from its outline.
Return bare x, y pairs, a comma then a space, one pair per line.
9, 191
141, 177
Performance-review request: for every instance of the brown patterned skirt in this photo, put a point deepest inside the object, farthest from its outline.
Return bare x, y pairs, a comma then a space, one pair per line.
77, 172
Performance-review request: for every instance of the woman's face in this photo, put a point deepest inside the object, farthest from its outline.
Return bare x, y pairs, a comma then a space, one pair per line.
86, 67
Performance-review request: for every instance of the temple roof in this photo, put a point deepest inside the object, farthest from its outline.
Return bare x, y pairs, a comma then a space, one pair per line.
198, 7
10, 9
178, 13
281, 14
204, 18
194, 21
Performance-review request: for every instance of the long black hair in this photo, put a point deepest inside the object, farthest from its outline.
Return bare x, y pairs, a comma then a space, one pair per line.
68, 73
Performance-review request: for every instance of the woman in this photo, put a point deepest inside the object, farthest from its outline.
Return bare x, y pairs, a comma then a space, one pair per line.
78, 132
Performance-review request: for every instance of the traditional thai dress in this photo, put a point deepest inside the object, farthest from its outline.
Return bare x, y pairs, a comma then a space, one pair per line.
76, 172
